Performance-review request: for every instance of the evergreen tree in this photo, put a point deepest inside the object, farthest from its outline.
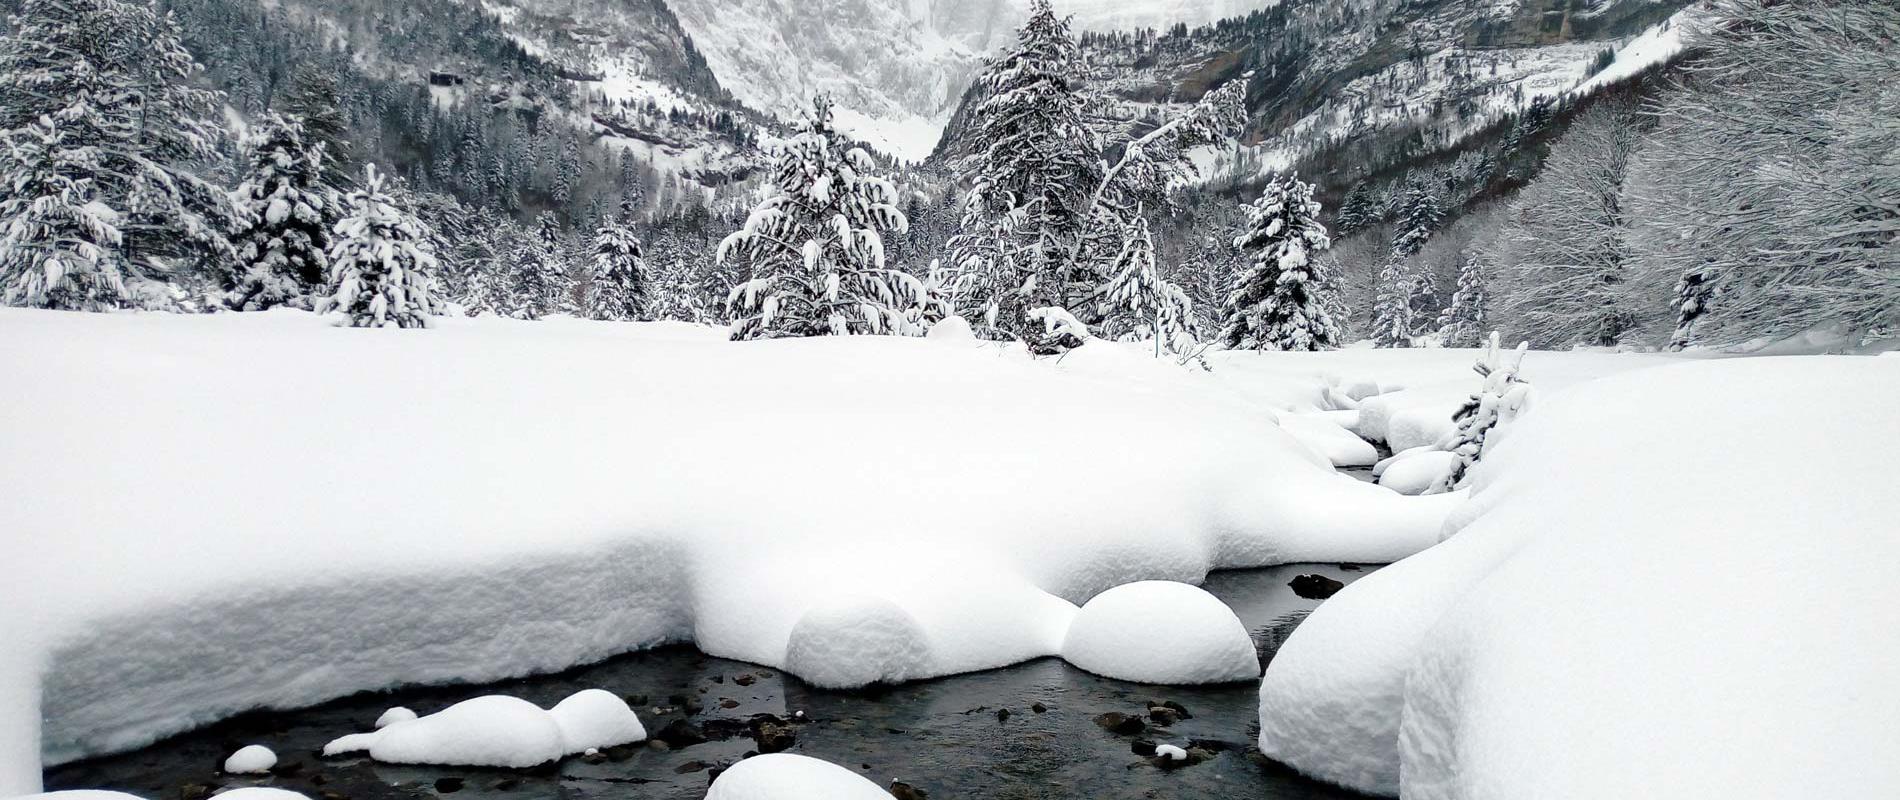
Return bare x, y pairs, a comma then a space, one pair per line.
1032, 166
315, 100
618, 289
1394, 314
815, 245
102, 89
1693, 295
1462, 322
382, 262
1357, 211
1136, 304
540, 278
281, 250
1504, 397
1278, 303
57, 242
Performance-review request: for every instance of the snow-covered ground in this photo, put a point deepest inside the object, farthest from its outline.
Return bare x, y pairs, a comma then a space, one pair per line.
1675, 583
219, 513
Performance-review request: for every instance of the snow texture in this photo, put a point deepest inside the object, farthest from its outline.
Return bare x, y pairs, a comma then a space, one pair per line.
1657, 590
1416, 470
572, 540
393, 716
501, 731
784, 776
251, 759
1161, 632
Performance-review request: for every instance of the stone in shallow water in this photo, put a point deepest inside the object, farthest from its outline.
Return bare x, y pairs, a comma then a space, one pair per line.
1315, 587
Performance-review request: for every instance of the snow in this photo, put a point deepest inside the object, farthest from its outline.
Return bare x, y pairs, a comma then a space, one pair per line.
784, 776
594, 718
1170, 752
1656, 45
952, 329
1669, 583
1161, 632
1415, 470
393, 716
490, 731
745, 491
251, 759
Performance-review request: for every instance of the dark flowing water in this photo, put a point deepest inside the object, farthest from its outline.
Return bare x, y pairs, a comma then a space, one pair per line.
943, 736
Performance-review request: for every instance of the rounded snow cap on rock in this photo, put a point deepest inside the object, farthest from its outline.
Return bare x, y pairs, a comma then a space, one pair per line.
393, 716
856, 640
491, 731
596, 718
250, 760
1161, 632
80, 794
261, 793
952, 329
783, 776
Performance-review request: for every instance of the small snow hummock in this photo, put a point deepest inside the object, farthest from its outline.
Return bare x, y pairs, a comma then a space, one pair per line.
501, 731
784, 776
253, 759
856, 640
1170, 752
393, 716
245, 793
1415, 471
1161, 632
952, 329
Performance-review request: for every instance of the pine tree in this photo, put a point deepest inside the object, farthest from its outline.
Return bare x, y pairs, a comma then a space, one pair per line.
540, 277
1278, 303
57, 242
1393, 316
1504, 397
815, 245
1693, 295
1136, 304
1462, 322
1357, 211
618, 289
381, 262
1032, 166
315, 101
103, 86
281, 250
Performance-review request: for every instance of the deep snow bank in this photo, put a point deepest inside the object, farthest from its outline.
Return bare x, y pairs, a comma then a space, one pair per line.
212, 514
1673, 583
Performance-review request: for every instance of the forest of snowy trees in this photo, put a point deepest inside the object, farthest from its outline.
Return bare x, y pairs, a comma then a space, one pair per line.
1750, 190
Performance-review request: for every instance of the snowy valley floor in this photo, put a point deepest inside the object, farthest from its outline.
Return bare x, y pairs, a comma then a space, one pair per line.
224, 513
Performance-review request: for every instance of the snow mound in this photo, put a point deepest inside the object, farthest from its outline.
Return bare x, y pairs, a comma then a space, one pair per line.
79, 794
1161, 632
489, 731
393, 716
784, 776
250, 760
1415, 470
857, 640
261, 793
594, 718
1664, 544
952, 329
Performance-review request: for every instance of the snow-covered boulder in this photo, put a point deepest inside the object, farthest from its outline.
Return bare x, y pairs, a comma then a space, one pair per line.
79, 794
1657, 590
500, 731
784, 776
594, 718
252, 759
855, 640
1415, 470
1161, 632
952, 329
393, 716
260, 793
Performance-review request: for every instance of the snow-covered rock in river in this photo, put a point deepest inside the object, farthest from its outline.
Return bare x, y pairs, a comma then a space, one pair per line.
251, 759
500, 731
393, 716
1415, 470
1161, 632
856, 640
784, 776
1657, 590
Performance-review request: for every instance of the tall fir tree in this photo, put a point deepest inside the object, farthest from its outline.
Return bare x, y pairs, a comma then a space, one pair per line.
1463, 320
1137, 304
315, 100
282, 247
617, 289
102, 88
381, 261
1694, 293
1032, 165
58, 244
1394, 321
1279, 302
540, 275
815, 245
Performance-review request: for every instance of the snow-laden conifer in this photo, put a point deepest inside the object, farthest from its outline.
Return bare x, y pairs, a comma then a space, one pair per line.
540, 273
1278, 303
1504, 396
58, 241
1137, 305
381, 262
1462, 322
1394, 322
282, 247
617, 289
815, 245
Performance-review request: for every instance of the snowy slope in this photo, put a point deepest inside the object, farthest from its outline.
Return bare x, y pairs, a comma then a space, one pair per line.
1670, 583
291, 512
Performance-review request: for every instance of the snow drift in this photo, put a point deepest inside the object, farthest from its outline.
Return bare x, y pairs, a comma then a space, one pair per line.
1672, 583
220, 513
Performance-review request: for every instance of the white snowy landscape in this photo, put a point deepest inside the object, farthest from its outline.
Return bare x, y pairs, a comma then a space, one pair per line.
728, 399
